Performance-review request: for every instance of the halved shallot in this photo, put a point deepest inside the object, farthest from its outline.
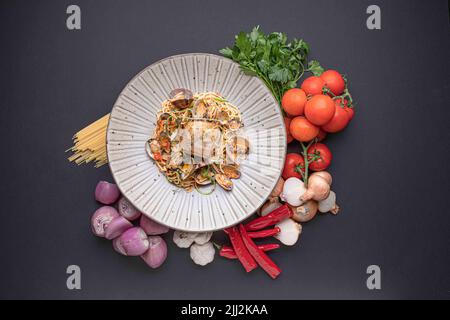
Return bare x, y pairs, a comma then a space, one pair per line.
127, 210
116, 227
101, 218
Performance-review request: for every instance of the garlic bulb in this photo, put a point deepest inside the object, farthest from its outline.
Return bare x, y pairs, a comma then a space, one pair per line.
293, 189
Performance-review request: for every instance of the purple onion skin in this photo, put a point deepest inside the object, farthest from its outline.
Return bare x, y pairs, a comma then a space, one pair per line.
116, 227
106, 193
151, 227
156, 254
118, 246
101, 219
134, 241
127, 210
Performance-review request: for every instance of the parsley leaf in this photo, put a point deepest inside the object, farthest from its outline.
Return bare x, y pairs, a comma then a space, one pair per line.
276, 61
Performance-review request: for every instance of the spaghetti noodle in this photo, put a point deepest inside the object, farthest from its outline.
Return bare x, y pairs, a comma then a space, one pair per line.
89, 144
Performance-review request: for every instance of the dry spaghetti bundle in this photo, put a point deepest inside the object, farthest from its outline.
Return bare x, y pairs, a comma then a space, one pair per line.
89, 144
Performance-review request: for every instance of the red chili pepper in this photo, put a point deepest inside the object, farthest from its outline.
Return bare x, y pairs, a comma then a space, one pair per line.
264, 233
263, 259
272, 218
239, 247
228, 252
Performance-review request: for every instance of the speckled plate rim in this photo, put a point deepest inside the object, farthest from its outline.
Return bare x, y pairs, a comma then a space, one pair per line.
283, 153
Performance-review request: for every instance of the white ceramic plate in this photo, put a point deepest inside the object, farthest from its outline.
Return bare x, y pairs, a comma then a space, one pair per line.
132, 122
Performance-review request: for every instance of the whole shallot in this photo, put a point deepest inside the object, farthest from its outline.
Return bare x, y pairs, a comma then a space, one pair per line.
156, 253
106, 193
151, 227
134, 242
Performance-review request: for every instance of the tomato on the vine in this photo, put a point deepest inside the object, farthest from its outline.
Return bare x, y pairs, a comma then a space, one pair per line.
320, 157
313, 85
293, 101
350, 113
339, 121
287, 123
321, 136
303, 130
293, 165
334, 81
319, 109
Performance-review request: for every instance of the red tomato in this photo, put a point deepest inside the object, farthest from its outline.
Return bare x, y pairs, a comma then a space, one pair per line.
313, 85
287, 123
321, 156
334, 81
350, 113
320, 109
339, 121
293, 101
293, 165
321, 136
303, 130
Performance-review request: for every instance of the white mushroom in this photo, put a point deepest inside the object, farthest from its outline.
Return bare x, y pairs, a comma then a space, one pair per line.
289, 232
203, 237
184, 239
202, 254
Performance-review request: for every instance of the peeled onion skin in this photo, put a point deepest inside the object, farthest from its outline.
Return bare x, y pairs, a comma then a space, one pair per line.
151, 227
101, 218
134, 241
127, 210
305, 212
106, 193
325, 175
156, 254
116, 227
318, 189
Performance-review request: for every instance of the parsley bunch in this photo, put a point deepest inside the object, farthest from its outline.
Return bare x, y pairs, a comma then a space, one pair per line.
277, 62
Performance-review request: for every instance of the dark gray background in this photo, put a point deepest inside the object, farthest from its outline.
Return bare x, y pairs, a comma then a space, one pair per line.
391, 165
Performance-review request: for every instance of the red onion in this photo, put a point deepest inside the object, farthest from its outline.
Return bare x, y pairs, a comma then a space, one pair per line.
127, 210
151, 227
116, 227
106, 193
101, 218
118, 246
156, 253
133, 241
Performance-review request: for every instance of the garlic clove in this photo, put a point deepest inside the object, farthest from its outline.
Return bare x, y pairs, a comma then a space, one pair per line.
289, 232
